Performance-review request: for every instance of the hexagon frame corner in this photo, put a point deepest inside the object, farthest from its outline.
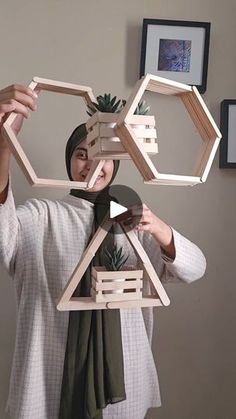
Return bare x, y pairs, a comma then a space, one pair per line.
200, 116
58, 87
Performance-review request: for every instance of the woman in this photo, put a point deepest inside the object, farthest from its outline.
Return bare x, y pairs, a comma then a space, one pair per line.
56, 372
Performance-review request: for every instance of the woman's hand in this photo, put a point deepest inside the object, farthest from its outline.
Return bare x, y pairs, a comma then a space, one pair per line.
19, 99
149, 222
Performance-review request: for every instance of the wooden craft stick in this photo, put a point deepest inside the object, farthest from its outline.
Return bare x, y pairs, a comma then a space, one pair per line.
135, 150
60, 183
147, 265
144, 302
86, 258
18, 153
94, 171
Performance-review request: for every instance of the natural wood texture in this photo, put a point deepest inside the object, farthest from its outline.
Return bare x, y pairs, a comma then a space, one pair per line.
144, 302
67, 88
124, 138
59, 183
104, 143
86, 258
105, 283
135, 150
57, 87
200, 116
100, 278
177, 180
150, 271
28, 170
19, 154
152, 83
94, 171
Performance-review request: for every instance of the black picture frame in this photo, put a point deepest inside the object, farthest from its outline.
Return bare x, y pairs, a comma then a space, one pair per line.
228, 130
161, 39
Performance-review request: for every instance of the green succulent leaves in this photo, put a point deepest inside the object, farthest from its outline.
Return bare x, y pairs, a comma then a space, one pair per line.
110, 104
114, 259
105, 103
142, 108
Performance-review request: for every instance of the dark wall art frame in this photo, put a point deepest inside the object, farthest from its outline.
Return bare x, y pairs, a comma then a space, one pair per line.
228, 130
177, 50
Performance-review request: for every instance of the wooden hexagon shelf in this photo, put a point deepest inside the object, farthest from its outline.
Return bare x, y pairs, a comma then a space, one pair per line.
59, 87
200, 116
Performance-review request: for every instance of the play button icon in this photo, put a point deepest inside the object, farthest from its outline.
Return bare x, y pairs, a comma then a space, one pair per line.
116, 209
117, 203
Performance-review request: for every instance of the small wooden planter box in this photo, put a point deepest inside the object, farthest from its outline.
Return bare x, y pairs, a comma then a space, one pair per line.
103, 142
103, 285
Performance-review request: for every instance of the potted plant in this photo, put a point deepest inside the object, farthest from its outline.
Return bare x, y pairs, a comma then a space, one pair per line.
107, 279
102, 140
114, 260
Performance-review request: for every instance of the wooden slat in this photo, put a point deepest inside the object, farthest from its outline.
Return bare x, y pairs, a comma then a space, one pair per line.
177, 180
206, 157
163, 89
99, 273
198, 118
147, 266
124, 296
148, 120
60, 183
86, 258
109, 286
126, 114
19, 153
62, 87
144, 302
102, 117
94, 171
170, 86
80, 303
135, 150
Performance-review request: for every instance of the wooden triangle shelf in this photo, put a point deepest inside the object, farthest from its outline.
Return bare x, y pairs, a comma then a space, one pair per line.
158, 297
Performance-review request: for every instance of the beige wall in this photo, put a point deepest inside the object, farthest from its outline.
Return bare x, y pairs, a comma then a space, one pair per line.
97, 43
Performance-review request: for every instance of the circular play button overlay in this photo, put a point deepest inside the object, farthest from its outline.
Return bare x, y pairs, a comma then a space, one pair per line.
123, 205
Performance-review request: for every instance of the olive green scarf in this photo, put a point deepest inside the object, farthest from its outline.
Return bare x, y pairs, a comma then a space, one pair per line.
93, 373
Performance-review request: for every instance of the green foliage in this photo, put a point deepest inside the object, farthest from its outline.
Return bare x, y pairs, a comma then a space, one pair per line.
105, 103
114, 259
142, 108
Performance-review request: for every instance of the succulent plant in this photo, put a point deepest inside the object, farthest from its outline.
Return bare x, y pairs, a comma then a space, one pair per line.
105, 103
142, 108
114, 258
110, 104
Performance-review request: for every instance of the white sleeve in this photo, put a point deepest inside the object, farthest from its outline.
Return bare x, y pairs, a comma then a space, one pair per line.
8, 231
189, 263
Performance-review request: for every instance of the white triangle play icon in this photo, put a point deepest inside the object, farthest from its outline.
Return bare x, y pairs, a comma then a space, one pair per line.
116, 209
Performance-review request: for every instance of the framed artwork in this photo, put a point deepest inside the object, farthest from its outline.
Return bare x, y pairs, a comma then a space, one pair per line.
176, 50
228, 130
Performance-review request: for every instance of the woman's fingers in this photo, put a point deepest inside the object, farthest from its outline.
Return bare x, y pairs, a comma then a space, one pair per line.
19, 88
13, 106
17, 96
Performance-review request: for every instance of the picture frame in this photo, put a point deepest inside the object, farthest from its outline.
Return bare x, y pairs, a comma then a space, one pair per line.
228, 130
177, 50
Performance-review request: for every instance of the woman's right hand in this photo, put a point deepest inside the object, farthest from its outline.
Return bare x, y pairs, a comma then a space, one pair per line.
19, 99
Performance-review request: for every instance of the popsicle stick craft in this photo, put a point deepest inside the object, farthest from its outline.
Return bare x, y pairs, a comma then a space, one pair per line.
125, 135
200, 116
114, 289
17, 150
